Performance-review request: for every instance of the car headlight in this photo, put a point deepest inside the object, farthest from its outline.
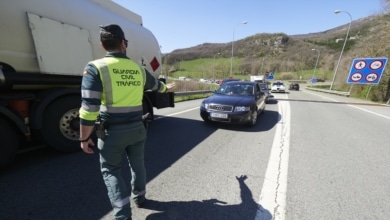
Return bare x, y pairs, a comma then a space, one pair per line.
241, 108
204, 105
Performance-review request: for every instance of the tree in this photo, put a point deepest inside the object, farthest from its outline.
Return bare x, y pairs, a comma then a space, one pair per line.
386, 5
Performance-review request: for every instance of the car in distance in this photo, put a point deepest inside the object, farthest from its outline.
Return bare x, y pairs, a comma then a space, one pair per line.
266, 90
278, 86
314, 80
228, 80
294, 86
235, 102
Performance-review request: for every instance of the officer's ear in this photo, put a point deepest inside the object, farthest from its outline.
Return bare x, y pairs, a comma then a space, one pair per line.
123, 45
101, 44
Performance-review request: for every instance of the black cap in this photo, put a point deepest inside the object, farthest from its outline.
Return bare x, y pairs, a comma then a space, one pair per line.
114, 30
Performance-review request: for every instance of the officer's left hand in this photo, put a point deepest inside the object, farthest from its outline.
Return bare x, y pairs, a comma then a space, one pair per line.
170, 86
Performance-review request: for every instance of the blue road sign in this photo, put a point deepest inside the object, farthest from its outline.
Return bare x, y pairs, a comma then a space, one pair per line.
270, 76
366, 70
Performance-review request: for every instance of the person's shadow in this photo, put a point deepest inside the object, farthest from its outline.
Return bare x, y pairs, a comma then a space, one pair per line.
211, 208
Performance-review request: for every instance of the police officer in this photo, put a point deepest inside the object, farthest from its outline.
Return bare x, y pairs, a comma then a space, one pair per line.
112, 90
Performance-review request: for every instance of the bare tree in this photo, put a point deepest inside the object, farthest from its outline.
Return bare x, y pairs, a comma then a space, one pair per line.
386, 5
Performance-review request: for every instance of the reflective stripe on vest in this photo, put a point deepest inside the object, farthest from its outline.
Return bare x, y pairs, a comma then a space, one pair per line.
123, 84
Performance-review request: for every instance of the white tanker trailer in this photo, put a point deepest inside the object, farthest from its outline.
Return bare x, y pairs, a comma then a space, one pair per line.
44, 46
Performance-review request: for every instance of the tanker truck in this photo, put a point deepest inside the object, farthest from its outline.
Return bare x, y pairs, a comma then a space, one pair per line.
44, 47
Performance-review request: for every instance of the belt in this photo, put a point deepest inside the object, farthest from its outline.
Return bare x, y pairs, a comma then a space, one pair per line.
144, 118
108, 124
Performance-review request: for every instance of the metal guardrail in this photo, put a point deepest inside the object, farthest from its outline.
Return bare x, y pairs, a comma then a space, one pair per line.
329, 91
309, 88
200, 92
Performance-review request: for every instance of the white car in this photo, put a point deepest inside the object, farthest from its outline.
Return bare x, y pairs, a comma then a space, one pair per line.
278, 86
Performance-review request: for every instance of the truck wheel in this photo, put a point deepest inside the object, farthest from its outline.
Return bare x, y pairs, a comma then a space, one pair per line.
61, 124
9, 145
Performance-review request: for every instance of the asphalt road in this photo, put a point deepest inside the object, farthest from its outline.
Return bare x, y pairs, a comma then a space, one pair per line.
310, 156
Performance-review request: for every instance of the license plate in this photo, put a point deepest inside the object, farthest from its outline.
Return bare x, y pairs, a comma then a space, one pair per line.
218, 115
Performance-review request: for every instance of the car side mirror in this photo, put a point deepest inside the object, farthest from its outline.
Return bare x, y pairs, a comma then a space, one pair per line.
259, 93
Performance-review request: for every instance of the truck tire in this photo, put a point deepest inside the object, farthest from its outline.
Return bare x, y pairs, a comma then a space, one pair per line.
9, 145
61, 124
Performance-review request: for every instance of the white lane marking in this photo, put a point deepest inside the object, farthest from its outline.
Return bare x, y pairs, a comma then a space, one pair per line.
273, 194
353, 106
177, 113
380, 115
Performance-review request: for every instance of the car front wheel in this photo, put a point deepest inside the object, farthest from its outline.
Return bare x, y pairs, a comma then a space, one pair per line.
205, 118
253, 118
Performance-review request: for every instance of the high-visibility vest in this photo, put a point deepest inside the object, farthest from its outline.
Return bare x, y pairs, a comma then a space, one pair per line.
123, 84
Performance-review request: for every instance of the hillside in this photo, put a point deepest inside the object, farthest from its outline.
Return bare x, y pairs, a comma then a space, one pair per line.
281, 53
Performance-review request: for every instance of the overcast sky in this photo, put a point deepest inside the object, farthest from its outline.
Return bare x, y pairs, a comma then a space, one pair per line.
179, 24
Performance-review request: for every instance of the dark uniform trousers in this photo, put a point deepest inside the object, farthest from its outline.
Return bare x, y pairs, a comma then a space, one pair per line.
128, 139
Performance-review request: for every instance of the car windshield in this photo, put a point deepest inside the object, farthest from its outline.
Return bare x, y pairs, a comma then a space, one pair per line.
229, 80
241, 89
277, 84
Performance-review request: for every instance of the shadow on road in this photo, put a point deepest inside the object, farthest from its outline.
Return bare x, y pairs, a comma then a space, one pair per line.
46, 184
212, 209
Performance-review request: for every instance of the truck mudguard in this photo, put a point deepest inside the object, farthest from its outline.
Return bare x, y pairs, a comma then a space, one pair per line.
8, 114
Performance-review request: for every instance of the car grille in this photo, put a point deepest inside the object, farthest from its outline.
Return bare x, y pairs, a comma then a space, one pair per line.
221, 108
